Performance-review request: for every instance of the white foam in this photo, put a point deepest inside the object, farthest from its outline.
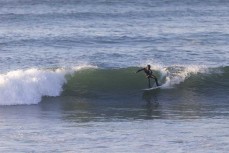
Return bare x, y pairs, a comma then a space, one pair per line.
83, 66
179, 73
28, 86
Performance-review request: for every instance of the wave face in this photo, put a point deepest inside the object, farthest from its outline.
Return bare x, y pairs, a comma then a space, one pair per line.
29, 86
125, 81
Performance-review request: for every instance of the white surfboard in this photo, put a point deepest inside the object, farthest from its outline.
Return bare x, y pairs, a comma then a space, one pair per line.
147, 89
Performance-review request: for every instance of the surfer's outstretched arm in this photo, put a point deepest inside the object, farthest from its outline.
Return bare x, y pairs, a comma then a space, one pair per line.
140, 70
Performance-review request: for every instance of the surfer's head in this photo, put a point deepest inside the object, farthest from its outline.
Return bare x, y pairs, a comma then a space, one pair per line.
148, 66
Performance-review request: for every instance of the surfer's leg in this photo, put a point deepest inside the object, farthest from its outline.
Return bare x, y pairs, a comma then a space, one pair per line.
155, 78
149, 83
156, 81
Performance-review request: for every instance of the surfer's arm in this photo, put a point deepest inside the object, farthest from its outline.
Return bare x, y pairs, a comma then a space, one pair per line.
140, 70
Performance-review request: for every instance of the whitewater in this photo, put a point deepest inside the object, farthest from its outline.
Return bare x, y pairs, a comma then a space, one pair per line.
68, 80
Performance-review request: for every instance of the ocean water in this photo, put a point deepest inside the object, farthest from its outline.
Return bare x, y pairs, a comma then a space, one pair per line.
68, 81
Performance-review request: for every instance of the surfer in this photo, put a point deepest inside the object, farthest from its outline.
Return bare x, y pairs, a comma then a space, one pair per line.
149, 74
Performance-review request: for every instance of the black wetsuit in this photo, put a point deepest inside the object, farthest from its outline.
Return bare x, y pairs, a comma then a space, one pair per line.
149, 74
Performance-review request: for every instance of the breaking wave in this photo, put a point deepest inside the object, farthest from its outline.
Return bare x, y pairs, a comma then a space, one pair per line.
29, 86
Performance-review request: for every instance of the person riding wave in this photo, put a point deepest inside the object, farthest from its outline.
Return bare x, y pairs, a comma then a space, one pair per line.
149, 74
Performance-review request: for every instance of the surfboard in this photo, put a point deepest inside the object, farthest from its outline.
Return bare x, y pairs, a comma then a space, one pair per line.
147, 89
